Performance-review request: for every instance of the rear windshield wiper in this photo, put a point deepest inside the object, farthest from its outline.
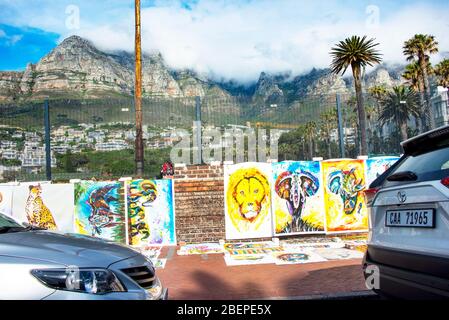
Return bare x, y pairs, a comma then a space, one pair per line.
403, 176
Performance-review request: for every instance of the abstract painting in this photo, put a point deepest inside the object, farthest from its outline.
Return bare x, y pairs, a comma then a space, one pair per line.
297, 198
248, 201
345, 203
299, 257
202, 248
251, 248
377, 166
248, 259
47, 206
100, 210
151, 212
6, 197
338, 253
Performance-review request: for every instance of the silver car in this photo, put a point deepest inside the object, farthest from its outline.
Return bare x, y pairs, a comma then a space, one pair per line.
409, 221
38, 264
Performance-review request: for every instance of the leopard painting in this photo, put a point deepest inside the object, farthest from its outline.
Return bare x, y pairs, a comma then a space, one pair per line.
37, 212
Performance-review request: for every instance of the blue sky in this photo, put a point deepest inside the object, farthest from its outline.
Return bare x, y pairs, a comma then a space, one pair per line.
220, 38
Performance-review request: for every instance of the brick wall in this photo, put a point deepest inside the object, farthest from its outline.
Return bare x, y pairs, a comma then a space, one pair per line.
199, 201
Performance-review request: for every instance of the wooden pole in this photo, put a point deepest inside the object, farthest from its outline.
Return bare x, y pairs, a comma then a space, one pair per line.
138, 94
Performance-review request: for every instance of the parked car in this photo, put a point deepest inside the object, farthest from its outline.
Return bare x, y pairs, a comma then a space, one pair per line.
409, 221
39, 264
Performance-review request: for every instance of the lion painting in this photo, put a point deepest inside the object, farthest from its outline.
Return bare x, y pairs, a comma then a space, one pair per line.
248, 199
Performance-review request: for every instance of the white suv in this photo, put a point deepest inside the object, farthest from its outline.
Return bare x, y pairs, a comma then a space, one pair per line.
409, 221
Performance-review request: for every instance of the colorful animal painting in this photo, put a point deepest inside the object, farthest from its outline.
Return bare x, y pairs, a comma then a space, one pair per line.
299, 257
151, 216
100, 210
375, 167
248, 201
344, 198
298, 198
44, 205
37, 212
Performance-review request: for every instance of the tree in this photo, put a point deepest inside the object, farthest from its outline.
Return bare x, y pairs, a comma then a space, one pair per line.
419, 48
357, 53
378, 92
442, 72
400, 105
328, 122
310, 132
415, 81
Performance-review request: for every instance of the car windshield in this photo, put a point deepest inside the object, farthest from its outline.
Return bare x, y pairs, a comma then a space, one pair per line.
428, 166
7, 222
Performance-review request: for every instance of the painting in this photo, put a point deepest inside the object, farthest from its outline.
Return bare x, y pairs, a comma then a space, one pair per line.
375, 167
338, 253
251, 248
46, 206
100, 210
248, 259
297, 198
6, 197
299, 257
248, 201
202, 248
345, 203
151, 212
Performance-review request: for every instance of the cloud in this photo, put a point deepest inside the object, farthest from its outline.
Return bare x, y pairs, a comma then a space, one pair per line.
9, 40
239, 39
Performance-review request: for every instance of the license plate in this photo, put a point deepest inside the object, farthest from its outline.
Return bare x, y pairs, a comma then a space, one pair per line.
411, 218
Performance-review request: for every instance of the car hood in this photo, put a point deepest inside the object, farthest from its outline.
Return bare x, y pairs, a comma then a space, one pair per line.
65, 249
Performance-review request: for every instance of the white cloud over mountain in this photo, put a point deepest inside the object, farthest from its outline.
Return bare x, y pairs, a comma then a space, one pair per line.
239, 39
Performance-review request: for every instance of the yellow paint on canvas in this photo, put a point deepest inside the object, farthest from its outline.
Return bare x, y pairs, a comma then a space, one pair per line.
336, 217
248, 198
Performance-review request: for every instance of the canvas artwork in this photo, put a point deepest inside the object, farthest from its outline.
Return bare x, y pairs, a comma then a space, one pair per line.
256, 248
248, 201
338, 253
345, 203
47, 206
202, 248
248, 259
151, 212
6, 197
100, 210
292, 247
299, 257
375, 167
297, 198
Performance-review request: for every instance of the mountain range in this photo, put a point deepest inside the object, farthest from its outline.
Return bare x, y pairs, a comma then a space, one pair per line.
77, 69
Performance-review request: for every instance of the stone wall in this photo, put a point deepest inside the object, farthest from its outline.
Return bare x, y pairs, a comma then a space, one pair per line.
199, 201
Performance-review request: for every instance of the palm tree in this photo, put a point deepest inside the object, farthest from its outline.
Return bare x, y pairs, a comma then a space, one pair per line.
442, 72
358, 53
415, 81
310, 131
400, 105
378, 92
419, 48
328, 122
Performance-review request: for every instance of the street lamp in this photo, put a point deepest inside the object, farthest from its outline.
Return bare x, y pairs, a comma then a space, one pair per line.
138, 93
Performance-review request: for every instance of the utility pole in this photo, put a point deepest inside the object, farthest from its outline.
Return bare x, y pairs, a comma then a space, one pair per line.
138, 93
47, 140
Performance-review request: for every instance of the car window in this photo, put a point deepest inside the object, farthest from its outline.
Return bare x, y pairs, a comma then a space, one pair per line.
6, 221
428, 166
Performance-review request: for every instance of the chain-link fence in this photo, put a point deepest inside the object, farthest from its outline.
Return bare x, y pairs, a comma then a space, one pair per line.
95, 137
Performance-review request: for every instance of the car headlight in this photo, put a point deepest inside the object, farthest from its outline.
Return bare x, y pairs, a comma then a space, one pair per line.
93, 281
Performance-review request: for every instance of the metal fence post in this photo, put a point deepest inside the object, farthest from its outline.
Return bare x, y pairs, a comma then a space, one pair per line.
47, 140
341, 134
198, 138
